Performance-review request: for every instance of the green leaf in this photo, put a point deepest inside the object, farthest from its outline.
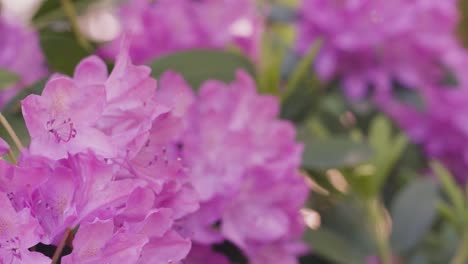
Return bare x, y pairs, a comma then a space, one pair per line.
302, 70
347, 217
269, 67
388, 149
334, 153
450, 187
330, 245
51, 10
197, 66
62, 51
7, 78
413, 212
380, 133
447, 212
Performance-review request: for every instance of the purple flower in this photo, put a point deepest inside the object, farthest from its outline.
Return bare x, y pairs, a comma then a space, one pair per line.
20, 53
78, 188
97, 241
244, 164
104, 159
167, 26
19, 231
63, 119
109, 115
372, 43
204, 254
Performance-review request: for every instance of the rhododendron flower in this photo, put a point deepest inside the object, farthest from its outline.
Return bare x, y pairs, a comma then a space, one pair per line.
78, 188
370, 43
243, 163
63, 119
109, 115
124, 164
96, 241
104, 160
204, 254
185, 24
20, 53
19, 231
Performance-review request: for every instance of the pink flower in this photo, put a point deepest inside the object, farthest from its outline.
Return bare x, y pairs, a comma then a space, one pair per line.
184, 24
97, 241
203, 254
368, 43
104, 161
109, 115
20, 53
244, 165
63, 119
78, 188
19, 231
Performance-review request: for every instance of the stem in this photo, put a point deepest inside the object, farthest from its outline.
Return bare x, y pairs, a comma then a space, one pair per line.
11, 132
12, 156
378, 222
461, 256
60, 247
69, 10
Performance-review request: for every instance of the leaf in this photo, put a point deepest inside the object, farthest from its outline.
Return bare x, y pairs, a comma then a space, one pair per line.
62, 51
388, 149
7, 78
51, 10
380, 133
334, 153
450, 187
413, 212
272, 57
300, 103
200, 65
330, 245
348, 217
302, 70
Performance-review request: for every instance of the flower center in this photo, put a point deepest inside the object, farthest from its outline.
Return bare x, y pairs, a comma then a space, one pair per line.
12, 245
63, 131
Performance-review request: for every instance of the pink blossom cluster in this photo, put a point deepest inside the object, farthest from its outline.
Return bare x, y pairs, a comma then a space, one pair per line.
164, 26
128, 172
372, 43
377, 43
244, 165
21, 54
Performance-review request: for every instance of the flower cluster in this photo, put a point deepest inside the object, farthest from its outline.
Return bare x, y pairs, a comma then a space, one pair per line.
185, 24
245, 169
406, 42
369, 43
20, 53
129, 172
101, 163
